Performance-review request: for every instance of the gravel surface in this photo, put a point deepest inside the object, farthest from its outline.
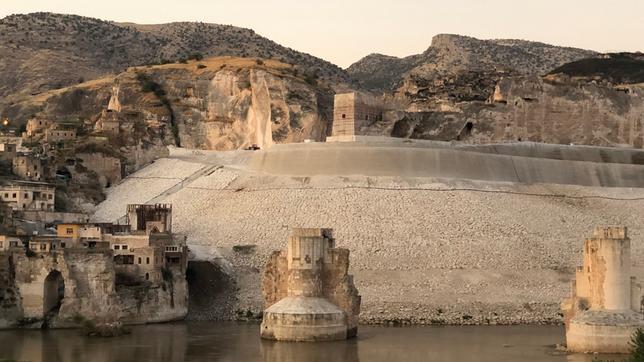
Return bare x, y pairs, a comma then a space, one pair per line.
422, 250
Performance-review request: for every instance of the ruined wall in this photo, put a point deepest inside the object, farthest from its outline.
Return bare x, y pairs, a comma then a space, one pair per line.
108, 169
90, 292
312, 267
10, 308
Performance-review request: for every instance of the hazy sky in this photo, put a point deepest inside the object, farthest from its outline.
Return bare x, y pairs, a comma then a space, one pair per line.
343, 31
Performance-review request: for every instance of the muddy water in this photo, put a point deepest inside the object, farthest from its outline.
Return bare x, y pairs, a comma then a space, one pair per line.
213, 341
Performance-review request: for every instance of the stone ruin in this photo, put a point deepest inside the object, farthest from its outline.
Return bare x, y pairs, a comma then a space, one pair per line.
308, 293
605, 306
351, 113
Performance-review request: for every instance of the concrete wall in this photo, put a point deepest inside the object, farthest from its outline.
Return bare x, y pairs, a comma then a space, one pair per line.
369, 160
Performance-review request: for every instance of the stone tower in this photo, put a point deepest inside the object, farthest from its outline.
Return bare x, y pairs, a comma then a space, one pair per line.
308, 293
605, 306
352, 112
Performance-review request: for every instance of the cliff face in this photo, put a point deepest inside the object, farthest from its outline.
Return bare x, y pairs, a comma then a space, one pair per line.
216, 104
553, 109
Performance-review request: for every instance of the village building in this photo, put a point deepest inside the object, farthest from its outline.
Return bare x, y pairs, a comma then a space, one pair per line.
8, 242
37, 126
59, 135
28, 167
351, 113
25, 195
7, 151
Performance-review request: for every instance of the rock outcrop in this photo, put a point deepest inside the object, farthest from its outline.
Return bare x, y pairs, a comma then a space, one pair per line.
217, 104
552, 109
454, 56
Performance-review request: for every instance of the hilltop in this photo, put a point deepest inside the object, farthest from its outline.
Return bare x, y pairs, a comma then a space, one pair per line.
45, 51
451, 55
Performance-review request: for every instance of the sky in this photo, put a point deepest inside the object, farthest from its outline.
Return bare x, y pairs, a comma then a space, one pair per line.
344, 31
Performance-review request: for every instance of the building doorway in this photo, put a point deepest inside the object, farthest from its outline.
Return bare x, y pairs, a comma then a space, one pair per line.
54, 292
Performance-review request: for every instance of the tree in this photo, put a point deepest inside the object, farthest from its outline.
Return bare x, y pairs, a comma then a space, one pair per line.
637, 345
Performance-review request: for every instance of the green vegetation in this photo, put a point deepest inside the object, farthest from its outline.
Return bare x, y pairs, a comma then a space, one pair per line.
166, 274
149, 85
618, 68
637, 345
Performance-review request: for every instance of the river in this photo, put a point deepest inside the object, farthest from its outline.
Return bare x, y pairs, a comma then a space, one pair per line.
229, 341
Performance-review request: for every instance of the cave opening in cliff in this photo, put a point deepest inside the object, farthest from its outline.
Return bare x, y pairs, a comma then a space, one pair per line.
54, 292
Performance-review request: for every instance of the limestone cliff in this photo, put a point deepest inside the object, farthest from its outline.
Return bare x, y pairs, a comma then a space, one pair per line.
552, 109
219, 104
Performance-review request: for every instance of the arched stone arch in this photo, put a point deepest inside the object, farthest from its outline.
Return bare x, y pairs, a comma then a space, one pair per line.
53, 292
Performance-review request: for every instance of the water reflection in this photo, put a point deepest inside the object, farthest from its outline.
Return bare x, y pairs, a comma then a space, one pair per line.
213, 341
310, 352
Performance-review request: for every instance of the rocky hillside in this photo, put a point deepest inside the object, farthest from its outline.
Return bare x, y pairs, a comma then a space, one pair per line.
454, 55
219, 103
44, 51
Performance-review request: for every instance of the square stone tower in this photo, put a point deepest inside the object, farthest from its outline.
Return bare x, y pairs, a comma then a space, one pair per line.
351, 112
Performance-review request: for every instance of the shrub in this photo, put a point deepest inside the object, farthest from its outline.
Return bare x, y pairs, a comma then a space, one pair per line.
637, 345
259, 62
201, 66
196, 56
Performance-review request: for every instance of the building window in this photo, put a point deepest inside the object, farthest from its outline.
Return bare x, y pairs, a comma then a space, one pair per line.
26, 196
124, 247
70, 231
14, 195
147, 260
344, 116
62, 245
43, 247
6, 196
139, 260
117, 247
49, 196
147, 276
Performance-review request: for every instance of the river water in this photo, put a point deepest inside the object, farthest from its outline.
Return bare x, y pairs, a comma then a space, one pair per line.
217, 341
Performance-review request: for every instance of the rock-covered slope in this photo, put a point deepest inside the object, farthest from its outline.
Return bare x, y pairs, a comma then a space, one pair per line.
450, 55
44, 51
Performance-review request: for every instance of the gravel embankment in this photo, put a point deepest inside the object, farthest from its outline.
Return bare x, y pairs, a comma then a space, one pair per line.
419, 252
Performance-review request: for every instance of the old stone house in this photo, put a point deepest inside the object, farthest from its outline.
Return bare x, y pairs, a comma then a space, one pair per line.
28, 167
25, 195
